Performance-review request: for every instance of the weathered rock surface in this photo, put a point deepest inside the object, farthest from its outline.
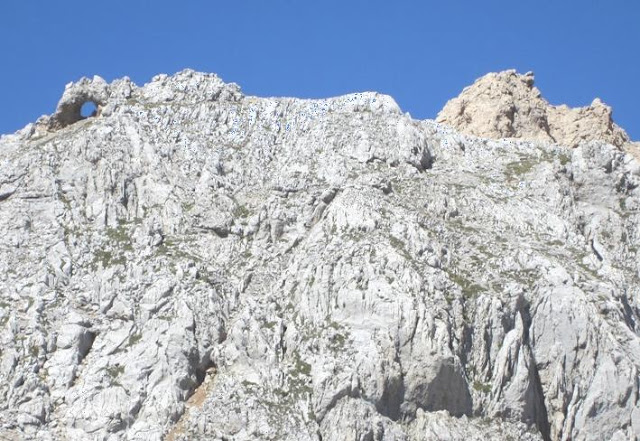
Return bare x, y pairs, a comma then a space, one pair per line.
507, 105
194, 263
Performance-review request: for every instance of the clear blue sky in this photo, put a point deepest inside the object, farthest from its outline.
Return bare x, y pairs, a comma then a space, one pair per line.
420, 52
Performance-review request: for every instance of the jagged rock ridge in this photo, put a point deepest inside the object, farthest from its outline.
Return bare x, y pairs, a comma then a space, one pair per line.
194, 263
507, 105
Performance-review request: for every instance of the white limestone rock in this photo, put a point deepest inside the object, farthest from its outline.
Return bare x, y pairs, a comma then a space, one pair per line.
194, 263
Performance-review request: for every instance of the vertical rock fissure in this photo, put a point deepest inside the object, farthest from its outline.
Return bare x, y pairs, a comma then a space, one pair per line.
540, 414
540, 409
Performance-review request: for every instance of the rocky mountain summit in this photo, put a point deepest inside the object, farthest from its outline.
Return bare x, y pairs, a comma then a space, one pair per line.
507, 105
196, 264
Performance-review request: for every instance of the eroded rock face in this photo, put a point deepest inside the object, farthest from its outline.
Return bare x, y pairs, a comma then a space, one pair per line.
75, 96
507, 105
194, 263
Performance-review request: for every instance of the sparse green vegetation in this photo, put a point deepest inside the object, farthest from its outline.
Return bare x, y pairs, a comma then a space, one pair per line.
525, 277
300, 366
482, 387
469, 290
519, 168
134, 338
34, 351
248, 384
337, 342
401, 247
299, 377
114, 372
166, 317
169, 247
338, 339
113, 253
296, 387
64, 200
270, 325
483, 249
106, 258
120, 236
353, 235
69, 231
458, 223
241, 211
587, 269
448, 298
290, 307
396, 243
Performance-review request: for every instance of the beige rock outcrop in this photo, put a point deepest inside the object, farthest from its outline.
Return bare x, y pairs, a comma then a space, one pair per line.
507, 105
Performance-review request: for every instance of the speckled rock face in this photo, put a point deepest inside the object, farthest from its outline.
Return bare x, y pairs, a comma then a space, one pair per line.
197, 264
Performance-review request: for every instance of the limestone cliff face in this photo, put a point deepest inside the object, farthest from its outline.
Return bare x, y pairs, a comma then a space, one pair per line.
193, 263
507, 105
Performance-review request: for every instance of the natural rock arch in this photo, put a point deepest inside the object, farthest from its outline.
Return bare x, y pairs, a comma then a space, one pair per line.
75, 96
71, 112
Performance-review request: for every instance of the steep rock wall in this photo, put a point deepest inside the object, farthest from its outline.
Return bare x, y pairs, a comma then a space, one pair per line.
194, 263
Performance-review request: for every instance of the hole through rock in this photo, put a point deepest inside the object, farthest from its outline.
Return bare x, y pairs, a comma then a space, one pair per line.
88, 109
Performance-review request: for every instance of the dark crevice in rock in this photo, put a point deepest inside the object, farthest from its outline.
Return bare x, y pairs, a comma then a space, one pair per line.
392, 398
4, 195
540, 409
597, 254
628, 313
626, 184
201, 359
221, 232
424, 161
201, 370
85, 343
523, 307
467, 339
